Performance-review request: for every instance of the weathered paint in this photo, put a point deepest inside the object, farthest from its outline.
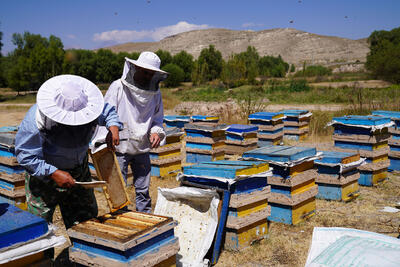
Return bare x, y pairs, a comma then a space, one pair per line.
205, 146
337, 157
206, 118
265, 116
270, 132
292, 214
224, 169
17, 225
354, 130
362, 120
198, 133
236, 240
266, 142
248, 209
235, 137
377, 159
291, 191
197, 157
290, 128
284, 172
19, 202
170, 262
280, 153
360, 146
394, 164
167, 169
372, 178
295, 137
165, 154
11, 169
338, 192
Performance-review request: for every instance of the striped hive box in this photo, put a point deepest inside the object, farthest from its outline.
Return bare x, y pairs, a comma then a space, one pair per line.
293, 187
240, 138
270, 127
338, 175
124, 239
204, 119
366, 135
246, 182
394, 141
204, 142
166, 160
12, 175
296, 124
178, 121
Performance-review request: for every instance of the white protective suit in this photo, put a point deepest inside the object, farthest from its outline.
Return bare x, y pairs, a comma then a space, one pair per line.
141, 112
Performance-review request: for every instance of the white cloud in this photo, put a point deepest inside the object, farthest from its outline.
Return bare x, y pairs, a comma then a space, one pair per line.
121, 36
251, 24
71, 36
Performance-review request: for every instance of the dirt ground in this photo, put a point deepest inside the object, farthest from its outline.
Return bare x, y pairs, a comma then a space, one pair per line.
286, 245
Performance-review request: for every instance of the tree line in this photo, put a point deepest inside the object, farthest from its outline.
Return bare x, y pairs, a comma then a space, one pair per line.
36, 58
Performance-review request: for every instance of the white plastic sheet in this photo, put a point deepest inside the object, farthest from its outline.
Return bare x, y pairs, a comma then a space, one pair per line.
351, 247
196, 211
318, 155
48, 240
372, 128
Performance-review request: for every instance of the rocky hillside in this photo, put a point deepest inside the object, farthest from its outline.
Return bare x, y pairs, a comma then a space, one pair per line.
293, 45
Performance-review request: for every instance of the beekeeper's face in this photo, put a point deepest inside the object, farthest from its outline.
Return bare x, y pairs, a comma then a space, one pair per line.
143, 76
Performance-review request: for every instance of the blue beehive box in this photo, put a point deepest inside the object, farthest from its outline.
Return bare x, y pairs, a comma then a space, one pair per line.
240, 132
266, 118
393, 115
18, 226
205, 118
176, 120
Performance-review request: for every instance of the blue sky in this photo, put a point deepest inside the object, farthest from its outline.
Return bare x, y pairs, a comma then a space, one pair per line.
90, 24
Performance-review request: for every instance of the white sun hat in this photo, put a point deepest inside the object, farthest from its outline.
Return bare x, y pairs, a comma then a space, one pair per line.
147, 60
70, 100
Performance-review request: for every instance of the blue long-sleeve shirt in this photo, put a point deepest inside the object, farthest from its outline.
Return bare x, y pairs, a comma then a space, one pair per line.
41, 159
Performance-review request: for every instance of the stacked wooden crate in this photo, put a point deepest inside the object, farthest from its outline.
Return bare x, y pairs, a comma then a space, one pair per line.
204, 142
240, 138
338, 175
166, 160
204, 119
368, 136
245, 196
394, 141
296, 124
293, 187
124, 239
270, 127
12, 175
176, 120
24, 238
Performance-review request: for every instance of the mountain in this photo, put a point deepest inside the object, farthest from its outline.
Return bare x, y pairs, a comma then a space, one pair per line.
293, 45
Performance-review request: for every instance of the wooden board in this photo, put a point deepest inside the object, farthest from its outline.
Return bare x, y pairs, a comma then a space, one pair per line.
236, 240
344, 193
241, 128
265, 116
360, 146
18, 226
334, 157
372, 178
192, 157
292, 214
226, 169
204, 118
280, 153
362, 120
107, 169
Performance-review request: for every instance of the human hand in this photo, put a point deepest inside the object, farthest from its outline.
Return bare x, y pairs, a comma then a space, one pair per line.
63, 179
112, 138
155, 140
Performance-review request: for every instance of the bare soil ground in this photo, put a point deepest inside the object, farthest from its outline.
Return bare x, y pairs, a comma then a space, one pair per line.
287, 245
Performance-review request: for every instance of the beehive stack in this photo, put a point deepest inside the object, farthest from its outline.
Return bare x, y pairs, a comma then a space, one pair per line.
296, 124
293, 187
246, 194
394, 141
166, 160
240, 138
204, 142
124, 239
270, 127
338, 175
12, 175
204, 119
24, 238
367, 136
176, 120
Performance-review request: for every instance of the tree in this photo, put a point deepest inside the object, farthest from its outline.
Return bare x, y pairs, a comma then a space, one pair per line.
107, 68
210, 61
80, 62
35, 60
383, 59
185, 62
250, 59
164, 56
272, 66
176, 75
234, 72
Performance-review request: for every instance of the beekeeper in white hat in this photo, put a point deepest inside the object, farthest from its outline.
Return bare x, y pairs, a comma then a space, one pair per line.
137, 99
52, 143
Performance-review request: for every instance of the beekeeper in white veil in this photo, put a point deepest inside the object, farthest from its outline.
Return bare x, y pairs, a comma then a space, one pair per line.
138, 102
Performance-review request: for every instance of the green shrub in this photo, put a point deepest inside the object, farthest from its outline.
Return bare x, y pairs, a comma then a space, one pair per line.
176, 75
